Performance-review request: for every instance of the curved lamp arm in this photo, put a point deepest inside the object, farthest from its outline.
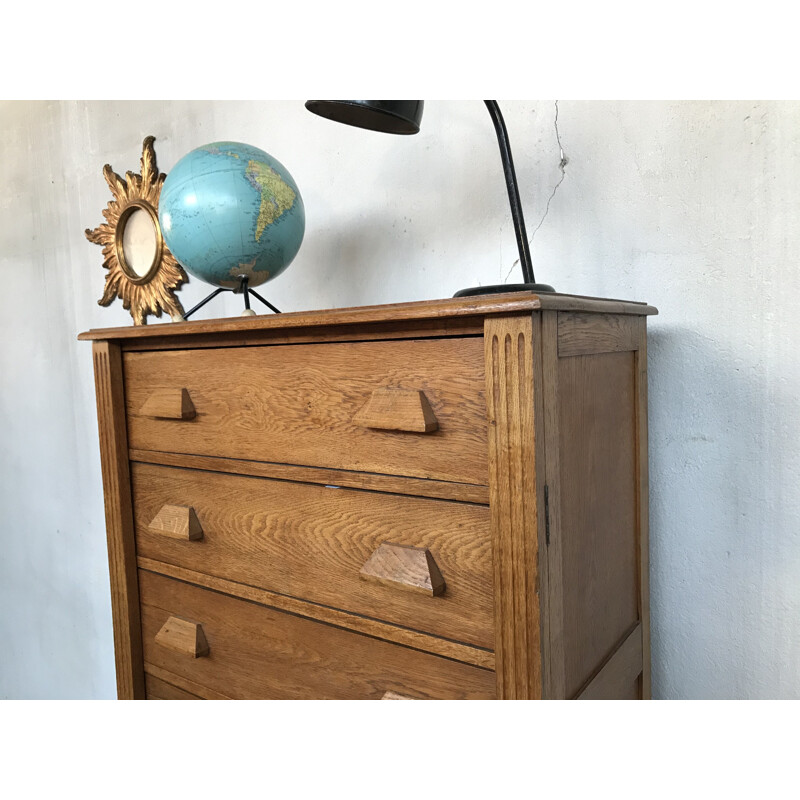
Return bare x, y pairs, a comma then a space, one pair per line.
513, 190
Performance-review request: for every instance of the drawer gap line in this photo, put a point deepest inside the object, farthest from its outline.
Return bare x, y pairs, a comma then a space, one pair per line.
305, 475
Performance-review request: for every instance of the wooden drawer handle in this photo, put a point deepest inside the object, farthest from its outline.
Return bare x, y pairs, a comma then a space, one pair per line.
169, 404
396, 696
412, 568
177, 522
398, 410
183, 636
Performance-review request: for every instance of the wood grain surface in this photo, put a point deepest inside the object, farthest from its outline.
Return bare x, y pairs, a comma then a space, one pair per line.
514, 486
177, 522
618, 676
311, 542
597, 509
170, 403
584, 334
183, 636
119, 520
332, 616
373, 481
398, 410
295, 405
182, 684
400, 566
479, 306
446, 327
259, 653
158, 689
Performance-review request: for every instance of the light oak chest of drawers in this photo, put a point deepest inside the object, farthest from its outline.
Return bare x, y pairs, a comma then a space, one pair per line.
438, 500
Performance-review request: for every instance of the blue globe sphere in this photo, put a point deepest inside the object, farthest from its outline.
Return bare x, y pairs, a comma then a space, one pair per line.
228, 210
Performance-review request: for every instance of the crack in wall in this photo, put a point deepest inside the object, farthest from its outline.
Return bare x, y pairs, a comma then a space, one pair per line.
563, 161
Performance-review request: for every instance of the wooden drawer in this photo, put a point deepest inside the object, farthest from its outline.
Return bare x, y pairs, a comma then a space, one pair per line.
312, 541
318, 405
157, 689
250, 651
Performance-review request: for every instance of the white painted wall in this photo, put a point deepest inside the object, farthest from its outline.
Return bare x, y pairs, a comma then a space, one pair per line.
692, 207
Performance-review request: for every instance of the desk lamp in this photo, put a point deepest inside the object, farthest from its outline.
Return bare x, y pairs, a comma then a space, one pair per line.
404, 117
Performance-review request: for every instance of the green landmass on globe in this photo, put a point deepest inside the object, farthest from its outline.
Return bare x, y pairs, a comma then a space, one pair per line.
229, 210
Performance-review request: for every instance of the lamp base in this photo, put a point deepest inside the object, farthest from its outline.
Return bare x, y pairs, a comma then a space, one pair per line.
504, 288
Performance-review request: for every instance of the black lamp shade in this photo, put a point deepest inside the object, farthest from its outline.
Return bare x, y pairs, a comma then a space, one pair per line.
385, 116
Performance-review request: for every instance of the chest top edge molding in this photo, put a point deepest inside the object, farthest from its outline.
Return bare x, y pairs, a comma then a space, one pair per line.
455, 310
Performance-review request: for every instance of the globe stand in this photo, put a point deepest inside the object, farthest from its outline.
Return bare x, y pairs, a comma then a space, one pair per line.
244, 289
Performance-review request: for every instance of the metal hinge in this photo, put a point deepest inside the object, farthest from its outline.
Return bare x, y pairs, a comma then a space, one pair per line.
546, 515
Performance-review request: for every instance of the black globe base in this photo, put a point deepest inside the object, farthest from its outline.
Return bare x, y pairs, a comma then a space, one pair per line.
504, 288
244, 289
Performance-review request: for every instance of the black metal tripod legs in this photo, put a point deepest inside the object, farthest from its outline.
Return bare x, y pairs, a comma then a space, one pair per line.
243, 289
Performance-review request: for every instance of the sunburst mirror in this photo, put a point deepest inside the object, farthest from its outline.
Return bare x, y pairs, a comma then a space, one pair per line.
141, 270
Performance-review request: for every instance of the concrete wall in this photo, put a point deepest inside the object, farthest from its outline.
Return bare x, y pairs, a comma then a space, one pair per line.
689, 206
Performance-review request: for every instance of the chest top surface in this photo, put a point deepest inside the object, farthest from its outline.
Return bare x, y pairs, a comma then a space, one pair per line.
453, 311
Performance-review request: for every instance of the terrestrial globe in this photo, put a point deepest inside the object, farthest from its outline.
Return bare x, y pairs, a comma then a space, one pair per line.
229, 210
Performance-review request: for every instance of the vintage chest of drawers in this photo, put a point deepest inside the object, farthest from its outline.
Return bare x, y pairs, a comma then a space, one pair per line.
438, 500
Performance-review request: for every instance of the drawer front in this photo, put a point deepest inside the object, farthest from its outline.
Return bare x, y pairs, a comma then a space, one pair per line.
156, 689
312, 542
254, 652
328, 405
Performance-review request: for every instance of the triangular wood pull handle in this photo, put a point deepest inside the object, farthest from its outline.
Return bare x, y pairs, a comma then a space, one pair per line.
398, 410
183, 636
396, 696
169, 404
177, 522
412, 568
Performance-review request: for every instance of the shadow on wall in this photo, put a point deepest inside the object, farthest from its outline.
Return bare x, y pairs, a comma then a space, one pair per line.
378, 259
368, 262
420, 215
351, 260
724, 547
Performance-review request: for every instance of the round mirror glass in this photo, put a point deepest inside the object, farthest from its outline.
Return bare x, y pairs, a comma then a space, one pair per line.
139, 242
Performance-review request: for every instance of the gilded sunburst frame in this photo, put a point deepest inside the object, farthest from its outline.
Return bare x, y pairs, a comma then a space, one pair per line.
141, 294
